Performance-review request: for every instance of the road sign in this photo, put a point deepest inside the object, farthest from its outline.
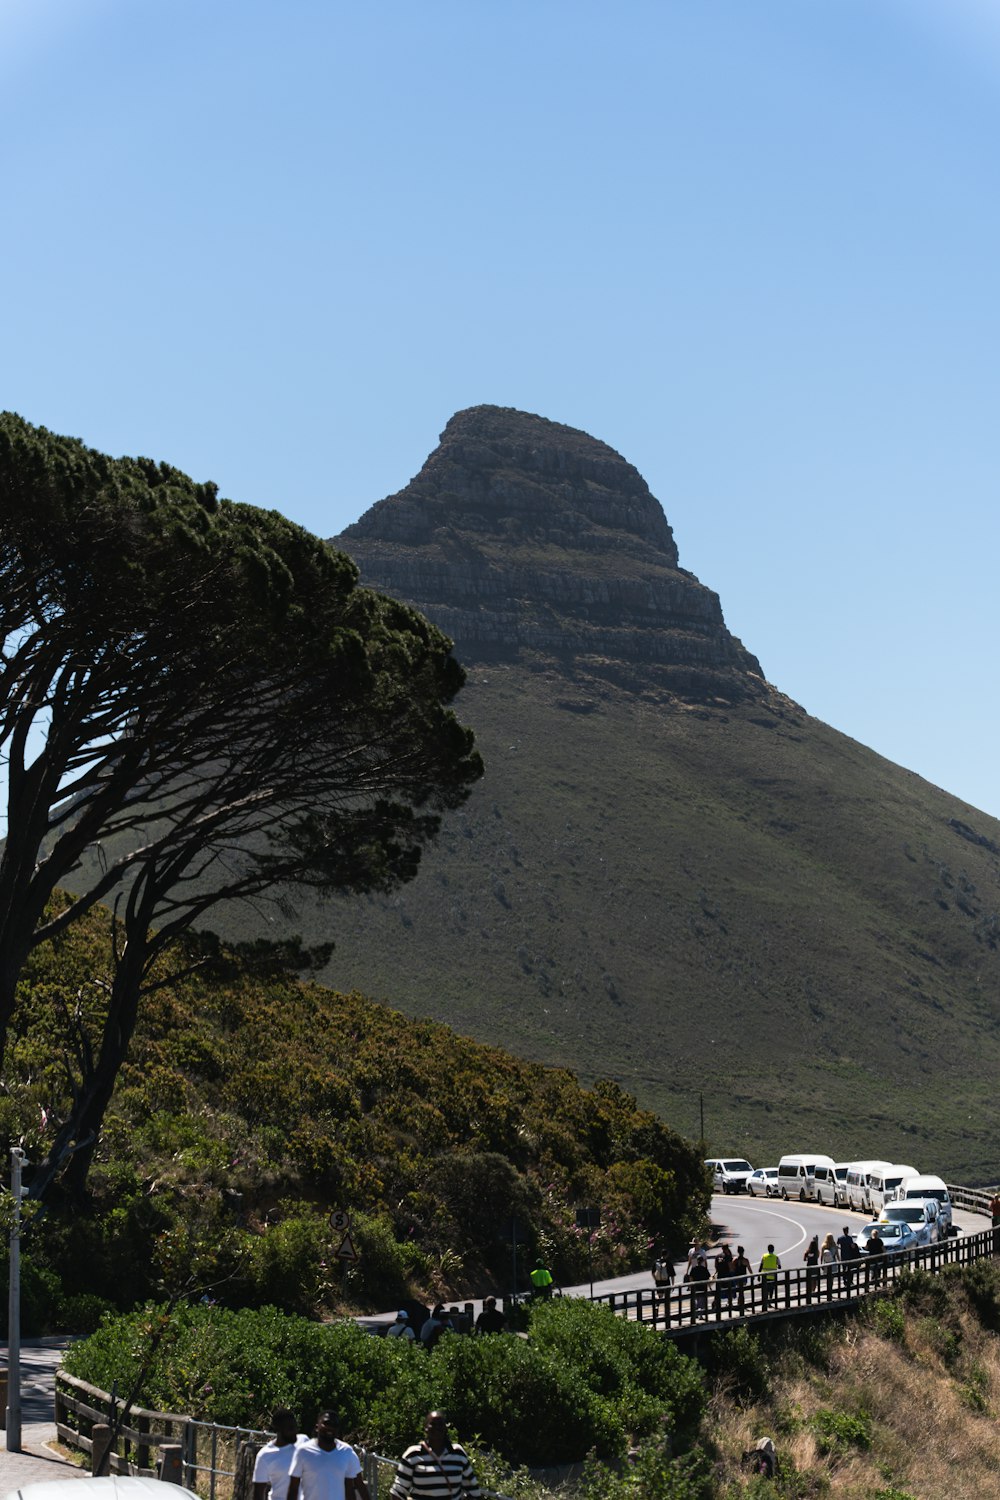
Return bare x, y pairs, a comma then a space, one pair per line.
340, 1221
346, 1250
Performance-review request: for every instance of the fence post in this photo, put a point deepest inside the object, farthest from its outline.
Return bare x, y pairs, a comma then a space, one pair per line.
170, 1467
246, 1454
101, 1439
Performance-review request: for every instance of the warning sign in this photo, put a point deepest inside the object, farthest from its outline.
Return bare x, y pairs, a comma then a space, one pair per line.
346, 1250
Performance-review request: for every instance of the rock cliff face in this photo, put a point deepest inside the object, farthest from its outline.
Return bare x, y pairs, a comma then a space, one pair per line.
523, 537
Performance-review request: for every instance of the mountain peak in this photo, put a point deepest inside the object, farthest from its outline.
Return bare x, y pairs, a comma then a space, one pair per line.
523, 536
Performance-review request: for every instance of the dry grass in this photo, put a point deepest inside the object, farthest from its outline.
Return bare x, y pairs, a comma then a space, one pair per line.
933, 1401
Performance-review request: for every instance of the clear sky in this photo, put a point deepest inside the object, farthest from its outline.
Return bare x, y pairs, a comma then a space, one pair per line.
752, 244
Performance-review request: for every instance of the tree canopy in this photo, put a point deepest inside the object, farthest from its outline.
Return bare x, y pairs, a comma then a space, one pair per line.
198, 702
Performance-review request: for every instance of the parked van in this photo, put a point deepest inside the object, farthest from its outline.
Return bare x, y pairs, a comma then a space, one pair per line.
926, 1185
831, 1183
797, 1175
729, 1173
885, 1183
856, 1182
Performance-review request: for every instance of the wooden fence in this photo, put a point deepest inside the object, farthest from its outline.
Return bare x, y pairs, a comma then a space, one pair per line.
681, 1307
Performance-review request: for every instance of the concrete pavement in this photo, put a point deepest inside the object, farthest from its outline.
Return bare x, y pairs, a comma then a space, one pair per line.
39, 1361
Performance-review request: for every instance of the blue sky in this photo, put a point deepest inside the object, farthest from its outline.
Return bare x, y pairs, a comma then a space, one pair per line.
752, 244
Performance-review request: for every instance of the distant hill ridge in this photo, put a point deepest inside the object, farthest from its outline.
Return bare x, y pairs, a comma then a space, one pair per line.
523, 535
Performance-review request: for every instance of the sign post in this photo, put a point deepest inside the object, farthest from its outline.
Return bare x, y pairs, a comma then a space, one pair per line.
589, 1219
340, 1223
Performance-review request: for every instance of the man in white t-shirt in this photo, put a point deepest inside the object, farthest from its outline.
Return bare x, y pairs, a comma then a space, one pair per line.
273, 1462
324, 1468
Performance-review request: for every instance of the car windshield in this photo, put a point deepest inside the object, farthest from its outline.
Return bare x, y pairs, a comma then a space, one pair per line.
893, 1231
737, 1166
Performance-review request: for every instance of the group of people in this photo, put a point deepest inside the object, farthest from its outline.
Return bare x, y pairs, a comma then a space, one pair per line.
294, 1467
445, 1320
831, 1262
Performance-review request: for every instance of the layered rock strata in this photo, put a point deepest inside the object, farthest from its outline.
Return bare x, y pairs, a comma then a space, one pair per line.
520, 535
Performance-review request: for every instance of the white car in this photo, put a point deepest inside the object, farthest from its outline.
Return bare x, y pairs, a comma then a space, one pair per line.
896, 1237
920, 1213
764, 1180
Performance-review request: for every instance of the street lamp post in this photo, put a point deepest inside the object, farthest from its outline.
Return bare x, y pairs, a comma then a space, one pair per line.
17, 1161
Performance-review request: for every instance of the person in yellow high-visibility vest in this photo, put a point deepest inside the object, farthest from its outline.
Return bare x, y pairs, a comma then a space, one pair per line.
770, 1265
541, 1280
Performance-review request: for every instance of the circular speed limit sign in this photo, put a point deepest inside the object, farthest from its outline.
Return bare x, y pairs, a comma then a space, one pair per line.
340, 1221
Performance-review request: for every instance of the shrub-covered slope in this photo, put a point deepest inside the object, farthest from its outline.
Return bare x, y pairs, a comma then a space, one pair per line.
252, 1106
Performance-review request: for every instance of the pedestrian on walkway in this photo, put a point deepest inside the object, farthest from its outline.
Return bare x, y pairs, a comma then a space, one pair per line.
324, 1468
490, 1320
699, 1278
811, 1259
273, 1463
742, 1271
829, 1258
541, 1280
402, 1328
436, 1469
849, 1253
770, 1265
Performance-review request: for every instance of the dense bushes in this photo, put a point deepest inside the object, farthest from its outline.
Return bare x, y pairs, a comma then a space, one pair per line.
583, 1381
252, 1105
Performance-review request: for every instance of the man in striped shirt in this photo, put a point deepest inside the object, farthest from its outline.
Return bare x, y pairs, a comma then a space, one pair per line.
436, 1469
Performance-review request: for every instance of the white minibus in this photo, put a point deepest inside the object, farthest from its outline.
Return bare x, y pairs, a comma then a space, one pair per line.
831, 1183
926, 1185
856, 1183
797, 1174
884, 1184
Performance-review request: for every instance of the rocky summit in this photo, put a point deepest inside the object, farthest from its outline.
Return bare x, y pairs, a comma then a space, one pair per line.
523, 537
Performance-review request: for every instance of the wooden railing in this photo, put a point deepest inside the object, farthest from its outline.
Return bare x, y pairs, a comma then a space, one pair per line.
81, 1407
681, 1307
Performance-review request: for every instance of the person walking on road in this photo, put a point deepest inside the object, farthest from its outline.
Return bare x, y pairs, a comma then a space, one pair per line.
699, 1277
490, 1320
876, 1250
742, 1271
324, 1468
402, 1328
274, 1461
541, 1280
849, 1253
829, 1258
436, 1469
770, 1265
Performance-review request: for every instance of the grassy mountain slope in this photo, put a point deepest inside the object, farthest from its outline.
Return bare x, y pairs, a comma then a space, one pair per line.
731, 901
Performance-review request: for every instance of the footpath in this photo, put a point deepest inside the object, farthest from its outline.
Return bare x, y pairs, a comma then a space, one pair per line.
35, 1463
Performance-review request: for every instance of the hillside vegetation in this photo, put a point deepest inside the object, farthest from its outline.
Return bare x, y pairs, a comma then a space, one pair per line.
251, 1106
734, 902
896, 1401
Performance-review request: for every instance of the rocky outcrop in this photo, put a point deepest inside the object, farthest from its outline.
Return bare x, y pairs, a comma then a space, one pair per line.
520, 535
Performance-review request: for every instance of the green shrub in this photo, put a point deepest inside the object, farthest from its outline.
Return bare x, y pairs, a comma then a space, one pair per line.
888, 1320
737, 1359
837, 1431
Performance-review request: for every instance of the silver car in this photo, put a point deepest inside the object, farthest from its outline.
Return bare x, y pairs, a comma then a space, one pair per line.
765, 1181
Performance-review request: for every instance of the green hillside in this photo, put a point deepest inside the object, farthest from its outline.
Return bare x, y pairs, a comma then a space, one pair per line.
734, 901
252, 1106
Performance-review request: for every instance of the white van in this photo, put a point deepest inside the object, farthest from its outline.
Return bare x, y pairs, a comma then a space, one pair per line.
856, 1183
926, 1185
831, 1183
884, 1184
797, 1175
